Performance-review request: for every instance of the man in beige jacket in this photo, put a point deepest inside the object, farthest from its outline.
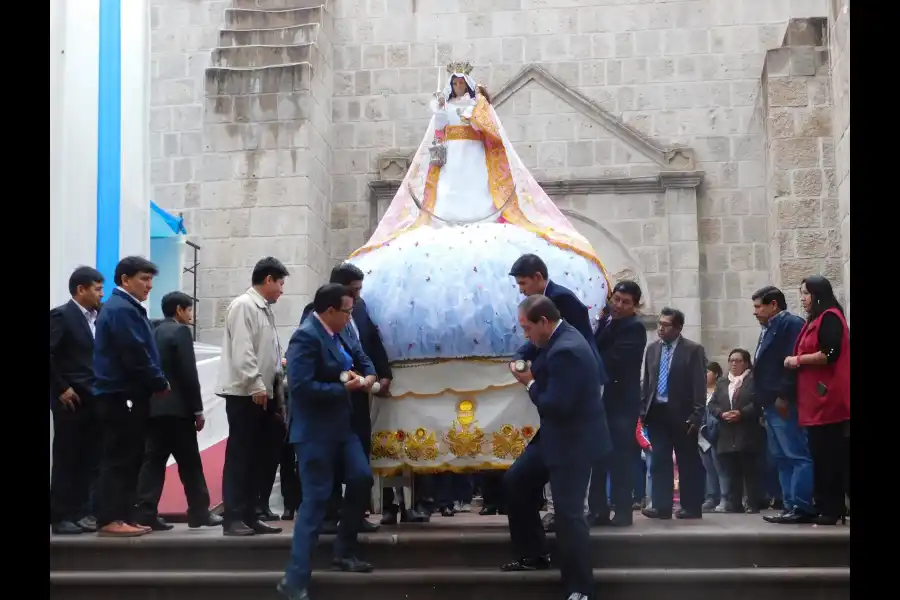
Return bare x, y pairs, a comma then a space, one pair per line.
250, 375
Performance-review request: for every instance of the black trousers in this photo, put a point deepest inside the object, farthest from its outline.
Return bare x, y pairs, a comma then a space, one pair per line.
569, 482
122, 439
361, 423
291, 492
171, 436
742, 469
272, 451
76, 460
619, 468
249, 443
829, 446
667, 433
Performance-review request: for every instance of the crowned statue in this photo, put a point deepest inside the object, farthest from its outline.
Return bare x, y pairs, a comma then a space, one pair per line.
438, 287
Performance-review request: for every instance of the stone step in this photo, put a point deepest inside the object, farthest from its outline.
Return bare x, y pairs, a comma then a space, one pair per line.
252, 57
277, 4
231, 81
487, 548
455, 584
280, 36
271, 19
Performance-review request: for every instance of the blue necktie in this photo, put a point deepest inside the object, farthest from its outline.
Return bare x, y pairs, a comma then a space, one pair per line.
348, 360
662, 384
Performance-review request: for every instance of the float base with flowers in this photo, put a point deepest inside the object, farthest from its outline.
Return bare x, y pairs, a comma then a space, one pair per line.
451, 415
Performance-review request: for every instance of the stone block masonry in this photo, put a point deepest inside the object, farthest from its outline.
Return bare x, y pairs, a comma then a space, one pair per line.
680, 72
803, 195
839, 52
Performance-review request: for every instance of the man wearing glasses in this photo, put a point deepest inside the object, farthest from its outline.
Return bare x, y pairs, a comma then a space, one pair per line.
321, 376
674, 400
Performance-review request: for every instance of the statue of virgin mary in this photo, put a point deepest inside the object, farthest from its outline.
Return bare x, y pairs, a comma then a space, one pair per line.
437, 266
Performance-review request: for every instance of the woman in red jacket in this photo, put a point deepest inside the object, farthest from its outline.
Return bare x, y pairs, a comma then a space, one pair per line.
822, 361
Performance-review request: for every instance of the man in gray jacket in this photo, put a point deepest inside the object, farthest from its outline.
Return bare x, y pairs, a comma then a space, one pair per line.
250, 375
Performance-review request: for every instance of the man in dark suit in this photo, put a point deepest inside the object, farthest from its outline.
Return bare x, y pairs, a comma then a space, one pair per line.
75, 429
364, 329
533, 278
673, 404
621, 341
564, 383
776, 394
175, 419
127, 373
320, 362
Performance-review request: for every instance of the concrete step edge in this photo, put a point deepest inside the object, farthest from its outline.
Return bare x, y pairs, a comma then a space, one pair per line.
227, 30
386, 537
455, 576
284, 66
251, 46
273, 10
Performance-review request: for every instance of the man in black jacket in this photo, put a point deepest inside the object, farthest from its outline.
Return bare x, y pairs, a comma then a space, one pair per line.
621, 340
175, 419
75, 430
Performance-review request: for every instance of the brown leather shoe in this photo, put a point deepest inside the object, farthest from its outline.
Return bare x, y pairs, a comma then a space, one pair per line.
121, 529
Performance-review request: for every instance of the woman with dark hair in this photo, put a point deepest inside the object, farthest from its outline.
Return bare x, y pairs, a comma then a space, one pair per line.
822, 360
740, 436
716, 488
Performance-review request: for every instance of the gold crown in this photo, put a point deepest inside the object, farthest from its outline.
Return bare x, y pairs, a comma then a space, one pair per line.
460, 67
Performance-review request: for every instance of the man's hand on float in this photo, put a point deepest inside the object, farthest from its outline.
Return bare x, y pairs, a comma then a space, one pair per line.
385, 387
523, 377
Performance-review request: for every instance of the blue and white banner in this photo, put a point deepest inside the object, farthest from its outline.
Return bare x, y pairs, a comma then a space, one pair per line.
99, 124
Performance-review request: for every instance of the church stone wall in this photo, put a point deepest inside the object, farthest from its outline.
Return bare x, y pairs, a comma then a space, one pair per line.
684, 72
681, 72
839, 50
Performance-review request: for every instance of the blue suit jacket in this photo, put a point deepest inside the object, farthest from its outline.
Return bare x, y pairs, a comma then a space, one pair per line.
573, 312
770, 377
319, 403
566, 392
126, 360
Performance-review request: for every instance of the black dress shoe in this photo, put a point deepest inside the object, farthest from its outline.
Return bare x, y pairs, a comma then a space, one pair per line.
598, 520
236, 529
414, 516
529, 563
291, 593
329, 527
66, 528
266, 515
447, 512
351, 564
791, 518
156, 524
389, 515
209, 520
654, 513
368, 526
288, 514
688, 514
88, 524
261, 528
625, 520
488, 510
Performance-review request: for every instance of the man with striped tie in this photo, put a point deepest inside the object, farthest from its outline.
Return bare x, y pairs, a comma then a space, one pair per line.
674, 399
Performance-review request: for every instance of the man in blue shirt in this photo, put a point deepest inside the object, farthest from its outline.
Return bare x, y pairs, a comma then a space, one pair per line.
127, 373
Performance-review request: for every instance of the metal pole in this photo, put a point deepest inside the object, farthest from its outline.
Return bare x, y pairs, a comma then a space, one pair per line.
193, 270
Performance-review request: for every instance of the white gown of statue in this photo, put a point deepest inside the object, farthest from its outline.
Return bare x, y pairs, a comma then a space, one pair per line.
437, 277
463, 192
